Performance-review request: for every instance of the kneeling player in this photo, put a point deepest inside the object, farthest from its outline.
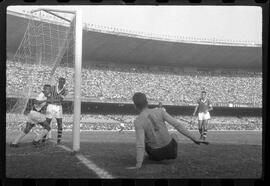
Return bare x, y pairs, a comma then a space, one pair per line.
36, 117
152, 134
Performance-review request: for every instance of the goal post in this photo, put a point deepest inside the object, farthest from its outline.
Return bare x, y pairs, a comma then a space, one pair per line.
77, 72
50, 48
77, 81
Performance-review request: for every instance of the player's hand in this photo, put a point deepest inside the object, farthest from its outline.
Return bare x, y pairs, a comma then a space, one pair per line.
203, 142
197, 142
193, 114
137, 167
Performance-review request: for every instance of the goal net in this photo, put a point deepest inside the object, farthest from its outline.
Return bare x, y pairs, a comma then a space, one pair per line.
45, 53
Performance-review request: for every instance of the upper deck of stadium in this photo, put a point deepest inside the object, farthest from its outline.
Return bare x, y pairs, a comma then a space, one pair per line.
105, 44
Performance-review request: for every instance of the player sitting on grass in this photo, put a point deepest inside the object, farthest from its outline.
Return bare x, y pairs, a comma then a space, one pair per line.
203, 108
152, 134
36, 117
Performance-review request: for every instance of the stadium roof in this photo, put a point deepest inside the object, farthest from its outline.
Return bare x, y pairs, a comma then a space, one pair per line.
112, 45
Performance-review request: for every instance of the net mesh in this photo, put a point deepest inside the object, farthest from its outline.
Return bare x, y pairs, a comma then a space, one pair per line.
45, 53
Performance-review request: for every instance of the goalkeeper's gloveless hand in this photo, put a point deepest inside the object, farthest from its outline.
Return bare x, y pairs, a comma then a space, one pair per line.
197, 142
137, 167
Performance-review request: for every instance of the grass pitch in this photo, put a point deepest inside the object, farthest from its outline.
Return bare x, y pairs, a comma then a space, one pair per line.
230, 154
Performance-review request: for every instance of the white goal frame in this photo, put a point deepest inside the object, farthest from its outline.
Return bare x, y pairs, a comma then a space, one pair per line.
77, 70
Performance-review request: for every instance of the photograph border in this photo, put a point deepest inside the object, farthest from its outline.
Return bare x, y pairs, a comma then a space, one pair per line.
264, 4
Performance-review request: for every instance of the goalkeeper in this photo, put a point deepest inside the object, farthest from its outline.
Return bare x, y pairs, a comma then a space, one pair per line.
152, 134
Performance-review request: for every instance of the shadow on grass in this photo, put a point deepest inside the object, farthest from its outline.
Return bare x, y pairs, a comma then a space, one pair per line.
193, 161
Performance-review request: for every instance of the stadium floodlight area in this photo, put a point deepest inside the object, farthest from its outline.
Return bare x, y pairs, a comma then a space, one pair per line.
46, 45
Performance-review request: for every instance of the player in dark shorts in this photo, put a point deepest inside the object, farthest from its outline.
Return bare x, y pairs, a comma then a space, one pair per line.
152, 134
203, 108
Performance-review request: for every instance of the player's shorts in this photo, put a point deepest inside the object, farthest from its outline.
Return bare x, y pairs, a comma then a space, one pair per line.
35, 117
203, 116
167, 152
54, 111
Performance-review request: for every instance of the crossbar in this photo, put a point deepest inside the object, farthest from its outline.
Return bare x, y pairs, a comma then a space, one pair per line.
53, 10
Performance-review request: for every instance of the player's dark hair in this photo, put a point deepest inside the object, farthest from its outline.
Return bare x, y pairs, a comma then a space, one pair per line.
204, 92
61, 78
140, 100
46, 85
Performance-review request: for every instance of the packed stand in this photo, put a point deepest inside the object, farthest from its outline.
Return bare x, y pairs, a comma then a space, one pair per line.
111, 122
118, 82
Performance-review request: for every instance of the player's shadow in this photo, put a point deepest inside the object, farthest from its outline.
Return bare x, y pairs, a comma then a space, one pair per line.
149, 161
124, 153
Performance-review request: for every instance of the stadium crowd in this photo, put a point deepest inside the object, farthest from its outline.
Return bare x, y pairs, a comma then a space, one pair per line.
111, 122
118, 82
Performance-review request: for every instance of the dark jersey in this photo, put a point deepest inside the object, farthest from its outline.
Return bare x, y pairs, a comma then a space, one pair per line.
58, 94
204, 105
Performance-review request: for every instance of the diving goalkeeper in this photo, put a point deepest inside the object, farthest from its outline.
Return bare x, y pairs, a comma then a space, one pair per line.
152, 134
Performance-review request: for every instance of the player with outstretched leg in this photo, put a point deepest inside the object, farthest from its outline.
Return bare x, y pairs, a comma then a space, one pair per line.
36, 116
203, 108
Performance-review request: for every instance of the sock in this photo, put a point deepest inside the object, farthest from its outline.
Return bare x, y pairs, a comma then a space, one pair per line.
205, 133
59, 134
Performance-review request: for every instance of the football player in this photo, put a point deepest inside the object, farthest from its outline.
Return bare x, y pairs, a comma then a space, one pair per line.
54, 108
152, 135
203, 108
36, 116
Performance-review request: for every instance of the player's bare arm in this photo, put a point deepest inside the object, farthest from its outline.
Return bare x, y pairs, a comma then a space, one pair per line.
139, 145
210, 107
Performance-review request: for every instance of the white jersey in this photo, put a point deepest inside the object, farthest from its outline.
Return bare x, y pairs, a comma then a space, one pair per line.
40, 97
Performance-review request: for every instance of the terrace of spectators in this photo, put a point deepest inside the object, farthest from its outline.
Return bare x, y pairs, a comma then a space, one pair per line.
136, 65
107, 44
107, 82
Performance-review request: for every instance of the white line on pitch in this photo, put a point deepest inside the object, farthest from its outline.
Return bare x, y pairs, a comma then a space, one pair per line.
89, 164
